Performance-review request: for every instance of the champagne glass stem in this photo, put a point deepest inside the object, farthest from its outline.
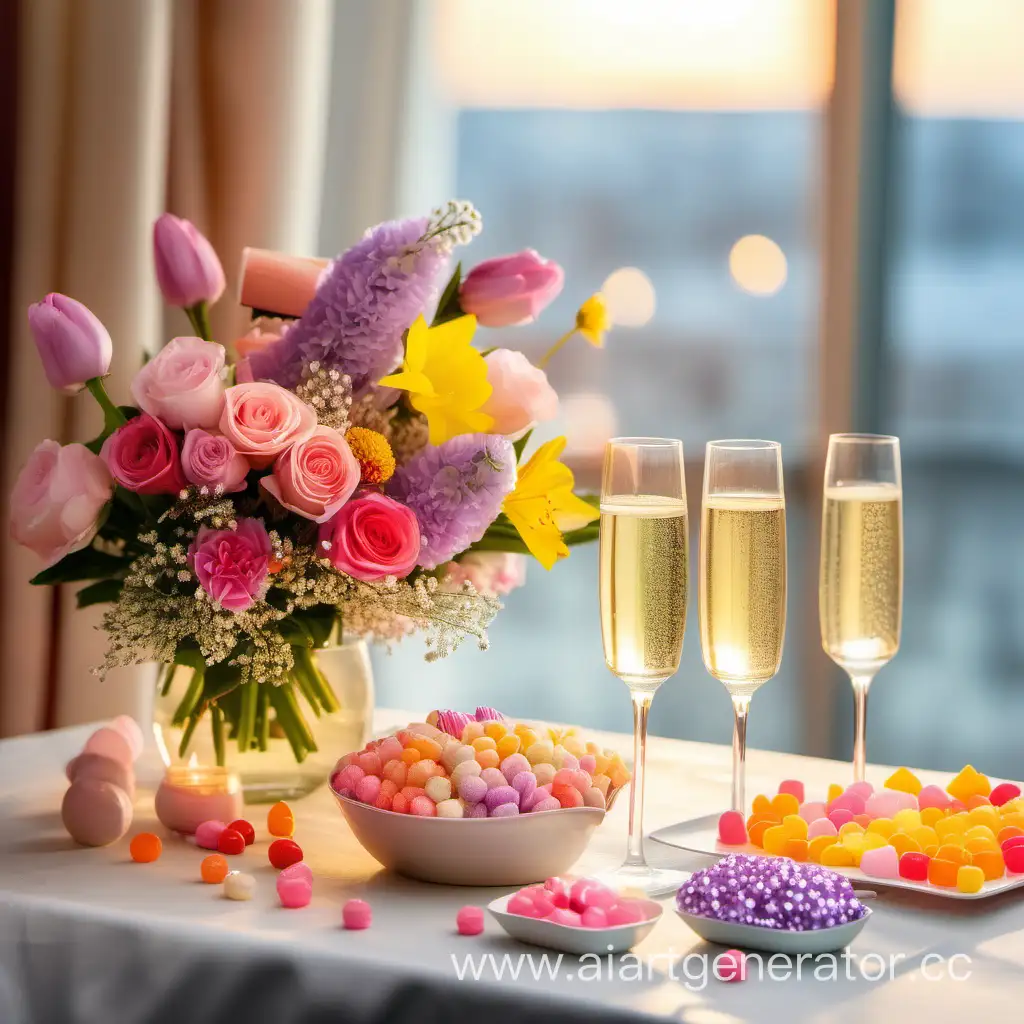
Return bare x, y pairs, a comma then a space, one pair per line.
860, 726
740, 708
635, 848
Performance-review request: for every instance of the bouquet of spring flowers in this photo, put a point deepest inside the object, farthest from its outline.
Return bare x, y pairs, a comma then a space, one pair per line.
362, 467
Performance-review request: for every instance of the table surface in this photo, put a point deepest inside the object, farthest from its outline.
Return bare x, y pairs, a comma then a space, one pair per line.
86, 935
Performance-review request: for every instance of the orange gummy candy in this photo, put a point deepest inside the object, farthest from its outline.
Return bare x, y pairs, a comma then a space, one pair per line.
903, 843
214, 869
991, 863
817, 845
796, 849
410, 755
145, 847
761, 804
943, 872
785, 803
429, 749
755, 832
930, 815
957, 854
281, 821
978, 844
1008, 832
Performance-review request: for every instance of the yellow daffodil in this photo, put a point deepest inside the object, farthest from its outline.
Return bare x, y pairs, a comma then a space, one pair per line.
446, 378
592, 321
543, 504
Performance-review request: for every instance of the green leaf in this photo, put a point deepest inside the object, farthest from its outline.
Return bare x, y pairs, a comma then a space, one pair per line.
87, 564
220, 679
104, 592
520, 446
449, 307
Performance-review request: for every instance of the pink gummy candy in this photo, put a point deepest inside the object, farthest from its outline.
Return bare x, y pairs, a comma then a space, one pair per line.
549, 803
811, 811
570, 918
731, 965
368, 789
625, 912
523, 906
470, 920
583, 891
390, 749
794, 787
852, 802
882, 805
594, 917
294, 891
821, 827
883, 862
862, 789
840, 817
208, 833
356, 915
731, 829
298, 870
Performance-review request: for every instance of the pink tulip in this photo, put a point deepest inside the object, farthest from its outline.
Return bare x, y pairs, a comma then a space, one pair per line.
521, 395
510, 290
73, 345
275, 282
187, 267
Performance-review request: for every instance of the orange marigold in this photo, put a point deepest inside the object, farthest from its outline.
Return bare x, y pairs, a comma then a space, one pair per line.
373, 453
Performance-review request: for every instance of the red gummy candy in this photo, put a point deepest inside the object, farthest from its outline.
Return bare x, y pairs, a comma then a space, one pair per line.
1009, 844
914, 866
245, 830
1003, 792
794, 787
283, 853
230, 842
732, 830
1014, 858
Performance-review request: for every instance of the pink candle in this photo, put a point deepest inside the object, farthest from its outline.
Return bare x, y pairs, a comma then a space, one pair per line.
275, 282
188, 796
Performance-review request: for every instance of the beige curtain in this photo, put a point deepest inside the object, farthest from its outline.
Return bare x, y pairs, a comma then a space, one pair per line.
215, 110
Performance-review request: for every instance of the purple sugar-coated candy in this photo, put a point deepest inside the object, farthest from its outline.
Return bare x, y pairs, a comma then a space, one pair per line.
501, 795
504, 811
494, 777
472, 789
452, 722
513, 765
485, 714
525, 784
475, 811
770, 892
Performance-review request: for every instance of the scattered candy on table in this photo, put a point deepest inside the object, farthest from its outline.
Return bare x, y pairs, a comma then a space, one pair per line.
295, 890
356, 915
469, 920
214, 869
230, 842
459, 766
578, 903
239, 886
245, 830
283, 853
754, 890
145, 847
281, 821
208, 834
905, 830
731, 965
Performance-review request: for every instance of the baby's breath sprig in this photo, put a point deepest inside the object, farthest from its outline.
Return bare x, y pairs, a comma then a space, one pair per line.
328, 392
455, 223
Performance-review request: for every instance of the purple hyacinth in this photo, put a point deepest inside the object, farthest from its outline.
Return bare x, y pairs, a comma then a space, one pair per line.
367, 297
456, 491
770, 892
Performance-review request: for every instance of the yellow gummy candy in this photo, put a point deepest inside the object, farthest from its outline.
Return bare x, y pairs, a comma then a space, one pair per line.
873, 841
954, 824
484, 743
495, 730
1016, 818
884, 827
970, 878
980, 832
508, 745
795, 826
836, 856
984, 815
980, 845
851, 828
544, 751
761, 804
930, 815
834, 792
907, 819
904, 780
817, 846
924, 836
785, 803
969, 782
902, 843
856, 846
930, 851
775, 839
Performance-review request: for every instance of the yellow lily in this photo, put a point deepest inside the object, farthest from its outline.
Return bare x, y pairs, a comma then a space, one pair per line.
446, 378
543, 504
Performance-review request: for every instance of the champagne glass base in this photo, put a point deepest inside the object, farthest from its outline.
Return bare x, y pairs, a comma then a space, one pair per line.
652, 882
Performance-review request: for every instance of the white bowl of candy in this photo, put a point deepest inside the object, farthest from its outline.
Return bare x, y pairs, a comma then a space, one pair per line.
476, 799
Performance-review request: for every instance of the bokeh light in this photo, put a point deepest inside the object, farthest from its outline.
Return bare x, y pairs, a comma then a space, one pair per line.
758, 265
589, 419
629, 295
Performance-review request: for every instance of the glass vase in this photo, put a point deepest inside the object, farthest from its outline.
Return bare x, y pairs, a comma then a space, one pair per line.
272, 774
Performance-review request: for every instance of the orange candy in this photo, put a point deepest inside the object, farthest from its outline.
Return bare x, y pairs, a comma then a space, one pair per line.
762, 805
755, 832
410, 755
785, 803
817, 845
943, 872
903, 843
145, 847
490, 759
991, 863
957, 854
214, 869
430, 750
1008, 832
281, 821
796, 849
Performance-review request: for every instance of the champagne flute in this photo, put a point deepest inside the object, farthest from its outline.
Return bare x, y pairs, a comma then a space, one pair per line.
860, 592
644, 575
742, 578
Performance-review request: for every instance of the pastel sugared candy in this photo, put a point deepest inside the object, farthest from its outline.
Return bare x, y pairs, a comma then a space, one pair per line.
794, 787
103, 768
509, 745
593, 797
882, 862
390, 749
904, 780
450, 809
423, 806
542, 750
504, 811
525, 784
438, 789
812, 811
840, 816
96, 813
465, 769
549, 803
110, 743
368, 789
280, 820
208, 833
294, 890
732, 829
567, 796
370, 762
356, 915
821, 827
475, 810
469, 920
932, 796
472, 789
132, 732
862, 789
494, 777
1003, 793
239, 886
214, 869
513, 765
501, 795
589, 764
145, 848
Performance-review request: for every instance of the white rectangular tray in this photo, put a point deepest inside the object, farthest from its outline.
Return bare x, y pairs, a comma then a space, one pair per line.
700, 835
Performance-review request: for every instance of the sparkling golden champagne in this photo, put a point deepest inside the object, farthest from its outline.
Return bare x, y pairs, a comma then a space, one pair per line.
860, 594
743, 589
644, 576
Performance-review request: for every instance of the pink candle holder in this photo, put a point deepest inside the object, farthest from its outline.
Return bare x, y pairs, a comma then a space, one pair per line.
190, 795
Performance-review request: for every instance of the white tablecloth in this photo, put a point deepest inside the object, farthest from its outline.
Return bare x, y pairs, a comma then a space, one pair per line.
88, 936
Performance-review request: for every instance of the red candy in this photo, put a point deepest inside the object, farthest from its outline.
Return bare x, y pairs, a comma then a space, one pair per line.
731, 965
1003, 792
1013, 841
914, 866
245, 830
794, 787
732, 830
283, 853
470, 920
1014, 858
230, 842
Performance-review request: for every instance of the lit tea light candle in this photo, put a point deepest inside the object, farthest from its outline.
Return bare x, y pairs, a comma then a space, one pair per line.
192, 794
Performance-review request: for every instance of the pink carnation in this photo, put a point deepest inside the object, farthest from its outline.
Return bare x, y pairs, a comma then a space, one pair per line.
232, 566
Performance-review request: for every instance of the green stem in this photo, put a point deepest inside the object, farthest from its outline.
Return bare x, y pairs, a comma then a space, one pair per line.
263, 718
290, 700
165, 685
285, 718
186, 736
217, 726
247, 716
312, 682
191, 698
199, 317
546, 358
112, 416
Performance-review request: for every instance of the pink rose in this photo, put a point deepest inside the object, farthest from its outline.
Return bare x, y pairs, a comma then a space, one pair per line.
261, 420
183, 384
57, 500
315, 477
371, 537
521, 395
209, 460
510, 290
492, 573
232, 566
142, 456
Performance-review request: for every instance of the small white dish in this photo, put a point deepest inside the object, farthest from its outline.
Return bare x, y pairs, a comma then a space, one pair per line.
770, 940
568, 939
473, 851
